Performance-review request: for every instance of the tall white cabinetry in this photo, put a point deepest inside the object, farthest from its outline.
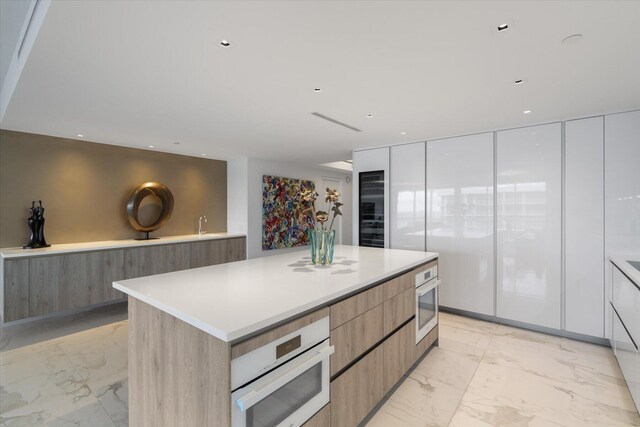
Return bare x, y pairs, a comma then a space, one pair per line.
622, 191
529, 224
584, 226
460, 220
372, 160
407, 204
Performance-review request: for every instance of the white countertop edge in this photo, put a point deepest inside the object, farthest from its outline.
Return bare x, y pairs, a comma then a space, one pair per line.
621, 262
244, 333
8, 253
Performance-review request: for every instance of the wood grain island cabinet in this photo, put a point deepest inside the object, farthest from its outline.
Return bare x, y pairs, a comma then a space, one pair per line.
371, 327
66, 277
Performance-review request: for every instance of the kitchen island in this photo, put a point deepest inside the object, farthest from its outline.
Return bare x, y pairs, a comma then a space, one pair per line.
192, 333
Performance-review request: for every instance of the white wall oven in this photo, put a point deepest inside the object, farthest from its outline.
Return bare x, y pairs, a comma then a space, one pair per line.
426, 301
285, 382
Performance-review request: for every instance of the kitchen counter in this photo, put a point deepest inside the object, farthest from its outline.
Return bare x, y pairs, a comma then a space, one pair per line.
622, 262
110, 244
234, 301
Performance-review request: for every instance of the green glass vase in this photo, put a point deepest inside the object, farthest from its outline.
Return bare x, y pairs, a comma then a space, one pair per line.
322, 243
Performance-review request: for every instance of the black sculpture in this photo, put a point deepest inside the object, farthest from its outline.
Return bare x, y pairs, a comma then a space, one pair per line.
36, 227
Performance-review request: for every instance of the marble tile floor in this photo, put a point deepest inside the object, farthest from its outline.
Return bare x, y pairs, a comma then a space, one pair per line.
72, 371
485, 374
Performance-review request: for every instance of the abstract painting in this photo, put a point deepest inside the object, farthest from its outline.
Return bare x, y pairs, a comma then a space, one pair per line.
284, 220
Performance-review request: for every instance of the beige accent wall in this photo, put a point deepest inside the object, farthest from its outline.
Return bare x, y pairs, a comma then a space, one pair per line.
85, 186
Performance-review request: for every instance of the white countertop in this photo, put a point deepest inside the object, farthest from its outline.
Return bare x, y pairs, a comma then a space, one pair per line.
110, 244
628, 269
232, 301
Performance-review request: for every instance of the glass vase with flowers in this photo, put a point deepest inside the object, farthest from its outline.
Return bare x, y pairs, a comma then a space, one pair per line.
322, 236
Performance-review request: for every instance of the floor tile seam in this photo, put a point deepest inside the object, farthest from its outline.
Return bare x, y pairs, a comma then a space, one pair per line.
545, 416
463, 389
468, 383
546, 381
64, 354
85, 382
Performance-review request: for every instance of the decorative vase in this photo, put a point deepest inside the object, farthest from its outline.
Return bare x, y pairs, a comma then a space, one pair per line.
322, 243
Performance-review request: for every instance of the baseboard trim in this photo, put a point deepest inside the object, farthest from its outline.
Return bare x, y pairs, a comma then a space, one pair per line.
62, 313
528, 326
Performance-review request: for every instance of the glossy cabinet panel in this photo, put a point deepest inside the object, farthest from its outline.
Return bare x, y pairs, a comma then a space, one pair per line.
622, 189
628, 358
460, 220
626, 300
584, 226
407, 204
369, 161
528, 215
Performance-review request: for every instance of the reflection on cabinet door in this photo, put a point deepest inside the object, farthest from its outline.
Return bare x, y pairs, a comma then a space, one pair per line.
622, 186
529, 178
628, 357
460, 220
159, 259
584, 226
407, 204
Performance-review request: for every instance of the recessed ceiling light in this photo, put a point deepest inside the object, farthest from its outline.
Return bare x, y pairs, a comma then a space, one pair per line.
151, 146
80, 135
519, 81
369, 116
503, 27
403, 133
572, 39
317, 89
176, 143
203, 154
225, 43
526, 111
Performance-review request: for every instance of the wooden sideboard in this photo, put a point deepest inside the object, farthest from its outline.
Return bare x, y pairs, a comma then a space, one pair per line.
44, 284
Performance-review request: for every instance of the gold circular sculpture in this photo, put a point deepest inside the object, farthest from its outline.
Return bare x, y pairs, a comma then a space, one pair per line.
150, 189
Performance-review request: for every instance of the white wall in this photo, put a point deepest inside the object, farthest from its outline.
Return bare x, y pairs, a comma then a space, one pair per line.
237, 196
244, 198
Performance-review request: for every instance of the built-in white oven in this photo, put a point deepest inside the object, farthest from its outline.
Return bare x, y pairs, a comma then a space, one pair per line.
426, 301
285, 382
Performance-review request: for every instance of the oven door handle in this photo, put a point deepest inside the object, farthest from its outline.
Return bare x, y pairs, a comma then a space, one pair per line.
254, 396
423, 292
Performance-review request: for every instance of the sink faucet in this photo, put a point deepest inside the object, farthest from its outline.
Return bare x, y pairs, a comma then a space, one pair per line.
200, 230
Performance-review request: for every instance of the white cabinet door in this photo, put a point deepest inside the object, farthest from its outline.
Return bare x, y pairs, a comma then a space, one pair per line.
460, 220
584, 226
622, 189
407, 204
376, 159
529, 209
628, 357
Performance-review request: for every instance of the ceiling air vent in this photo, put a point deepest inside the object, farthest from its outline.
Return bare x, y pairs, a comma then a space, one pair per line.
26, 31
329, 119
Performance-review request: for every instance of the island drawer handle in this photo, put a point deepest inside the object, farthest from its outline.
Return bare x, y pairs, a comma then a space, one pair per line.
254, 396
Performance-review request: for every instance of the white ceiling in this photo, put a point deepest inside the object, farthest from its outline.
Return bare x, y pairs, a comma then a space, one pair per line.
152, 73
